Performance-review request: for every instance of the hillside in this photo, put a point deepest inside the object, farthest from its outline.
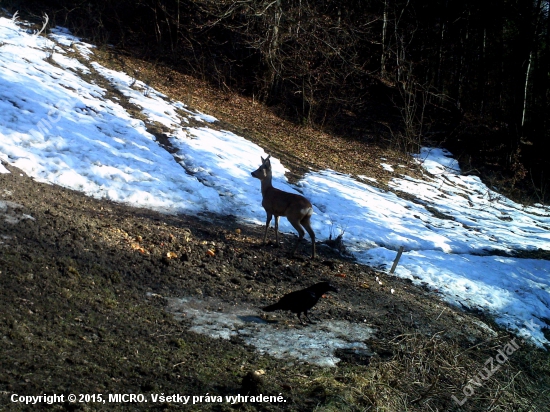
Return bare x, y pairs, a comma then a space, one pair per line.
105, 297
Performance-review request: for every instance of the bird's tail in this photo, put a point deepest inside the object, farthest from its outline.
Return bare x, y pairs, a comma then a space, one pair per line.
271, 308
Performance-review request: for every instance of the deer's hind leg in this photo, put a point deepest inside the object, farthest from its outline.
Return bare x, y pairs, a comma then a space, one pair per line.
277, 230
296, 224
306, 223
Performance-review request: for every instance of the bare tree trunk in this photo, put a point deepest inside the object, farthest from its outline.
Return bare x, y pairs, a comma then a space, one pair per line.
500, 68
177, 25
525, 90
276, 22
483, 73
440, 62
273, 52
546, 66
537, 17
462, 66
384, 30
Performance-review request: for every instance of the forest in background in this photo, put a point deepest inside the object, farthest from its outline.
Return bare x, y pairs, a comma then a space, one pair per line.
473, 76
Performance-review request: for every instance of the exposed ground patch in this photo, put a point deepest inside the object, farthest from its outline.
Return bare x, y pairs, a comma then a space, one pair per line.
84, 287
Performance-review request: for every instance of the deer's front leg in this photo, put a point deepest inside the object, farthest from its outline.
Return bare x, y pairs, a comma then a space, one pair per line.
267, 222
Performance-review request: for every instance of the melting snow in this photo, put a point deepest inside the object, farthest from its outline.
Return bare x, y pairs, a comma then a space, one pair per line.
314, 343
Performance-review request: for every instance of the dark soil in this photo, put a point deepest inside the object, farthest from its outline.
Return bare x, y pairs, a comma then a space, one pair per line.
82, 289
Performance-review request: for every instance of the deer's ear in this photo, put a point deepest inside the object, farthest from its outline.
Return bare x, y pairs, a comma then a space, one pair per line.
263, 160
267, 158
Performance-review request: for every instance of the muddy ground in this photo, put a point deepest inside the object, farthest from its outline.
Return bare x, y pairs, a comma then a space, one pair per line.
84, 282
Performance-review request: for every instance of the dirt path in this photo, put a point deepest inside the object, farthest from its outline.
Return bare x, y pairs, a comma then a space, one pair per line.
83, 291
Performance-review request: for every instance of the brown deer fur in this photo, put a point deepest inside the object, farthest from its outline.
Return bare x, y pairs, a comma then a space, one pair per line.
296, 208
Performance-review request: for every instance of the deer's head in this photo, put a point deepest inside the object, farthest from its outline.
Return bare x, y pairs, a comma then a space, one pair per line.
264, 170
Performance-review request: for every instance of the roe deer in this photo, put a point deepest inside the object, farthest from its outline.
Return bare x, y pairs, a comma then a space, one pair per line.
297, 209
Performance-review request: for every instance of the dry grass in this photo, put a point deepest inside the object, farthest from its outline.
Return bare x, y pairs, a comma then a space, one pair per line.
426, 372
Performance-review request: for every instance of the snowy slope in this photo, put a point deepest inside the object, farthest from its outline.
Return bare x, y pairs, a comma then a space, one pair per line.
59, 126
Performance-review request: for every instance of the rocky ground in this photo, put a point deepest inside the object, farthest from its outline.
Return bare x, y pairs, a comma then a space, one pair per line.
85, 285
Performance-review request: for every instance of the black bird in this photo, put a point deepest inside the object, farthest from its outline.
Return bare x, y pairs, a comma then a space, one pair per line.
301, 300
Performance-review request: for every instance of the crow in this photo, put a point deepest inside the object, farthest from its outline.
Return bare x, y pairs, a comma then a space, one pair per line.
301, 300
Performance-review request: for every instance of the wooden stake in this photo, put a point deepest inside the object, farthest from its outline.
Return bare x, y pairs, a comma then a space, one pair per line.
396, 261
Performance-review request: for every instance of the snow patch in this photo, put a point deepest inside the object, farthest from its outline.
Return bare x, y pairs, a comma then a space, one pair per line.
314, 343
